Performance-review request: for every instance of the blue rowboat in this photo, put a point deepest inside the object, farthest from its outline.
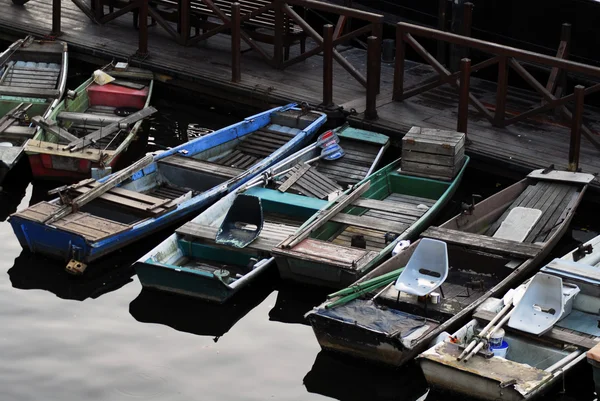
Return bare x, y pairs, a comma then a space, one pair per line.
93, 218
191, 262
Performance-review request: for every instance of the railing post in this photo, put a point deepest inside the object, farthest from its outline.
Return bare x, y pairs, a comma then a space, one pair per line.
377, 32
441, 45
463, 102
373, 71
501, 92
278, 36
328, 65
466, 25
143, 29
55, 17
184, 21
399, 66
575, 144
236, 55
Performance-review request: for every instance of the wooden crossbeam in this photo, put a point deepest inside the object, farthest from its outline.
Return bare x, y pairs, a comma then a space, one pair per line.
109, 129
53, 128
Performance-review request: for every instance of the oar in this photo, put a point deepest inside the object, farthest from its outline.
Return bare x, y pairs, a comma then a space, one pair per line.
111, 182
507, 305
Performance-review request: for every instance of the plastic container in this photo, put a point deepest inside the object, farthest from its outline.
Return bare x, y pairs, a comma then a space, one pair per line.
570, 291
117, 96
497, 338
501, 350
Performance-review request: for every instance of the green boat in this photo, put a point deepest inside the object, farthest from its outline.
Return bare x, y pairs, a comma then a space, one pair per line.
191, 262
33, 76
348, 238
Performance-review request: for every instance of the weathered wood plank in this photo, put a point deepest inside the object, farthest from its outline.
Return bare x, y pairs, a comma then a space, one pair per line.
483, 242
201, 166
370, 222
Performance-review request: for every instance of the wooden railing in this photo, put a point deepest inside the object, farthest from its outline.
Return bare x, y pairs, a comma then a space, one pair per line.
506, 58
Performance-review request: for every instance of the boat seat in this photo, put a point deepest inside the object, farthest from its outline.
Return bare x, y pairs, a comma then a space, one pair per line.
308, 181
540, 307
517, 225
426, 270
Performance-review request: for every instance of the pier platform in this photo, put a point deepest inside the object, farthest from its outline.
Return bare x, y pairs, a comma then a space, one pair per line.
206, 68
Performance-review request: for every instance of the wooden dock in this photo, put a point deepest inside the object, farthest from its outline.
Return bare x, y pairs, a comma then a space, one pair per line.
206, 68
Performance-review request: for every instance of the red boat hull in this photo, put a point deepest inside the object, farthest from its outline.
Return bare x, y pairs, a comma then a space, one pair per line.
46, 167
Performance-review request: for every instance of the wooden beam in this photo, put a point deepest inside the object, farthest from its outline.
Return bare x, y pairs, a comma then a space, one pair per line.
92, 137
463, 101
325, 215
575, 140
53, 128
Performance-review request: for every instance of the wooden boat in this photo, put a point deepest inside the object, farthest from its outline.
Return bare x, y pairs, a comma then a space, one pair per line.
92, 128
537, 345
373, 320
190, 262
33, 76
93, 218
381, 210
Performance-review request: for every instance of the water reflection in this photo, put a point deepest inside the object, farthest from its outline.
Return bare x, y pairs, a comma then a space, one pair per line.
32, 272
294, 300
346, 379
197, 316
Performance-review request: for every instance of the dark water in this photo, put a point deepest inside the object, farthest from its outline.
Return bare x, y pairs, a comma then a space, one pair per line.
100, 337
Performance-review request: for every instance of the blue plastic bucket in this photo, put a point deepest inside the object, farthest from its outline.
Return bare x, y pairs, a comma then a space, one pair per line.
500, 350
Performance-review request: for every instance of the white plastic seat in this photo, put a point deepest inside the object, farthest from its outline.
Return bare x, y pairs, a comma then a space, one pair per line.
541, 305
426, 270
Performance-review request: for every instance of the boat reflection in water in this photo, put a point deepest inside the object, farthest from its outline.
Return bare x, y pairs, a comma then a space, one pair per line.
294, 300
347, 379
196, 316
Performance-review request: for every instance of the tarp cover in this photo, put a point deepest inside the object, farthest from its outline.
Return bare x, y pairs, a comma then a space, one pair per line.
368, 314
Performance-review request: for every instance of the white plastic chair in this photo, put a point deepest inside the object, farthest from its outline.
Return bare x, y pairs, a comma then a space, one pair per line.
426, 270
541, 305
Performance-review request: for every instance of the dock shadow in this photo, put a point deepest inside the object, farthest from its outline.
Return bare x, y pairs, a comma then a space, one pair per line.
13, 189
197, 316
294, 300
348, 379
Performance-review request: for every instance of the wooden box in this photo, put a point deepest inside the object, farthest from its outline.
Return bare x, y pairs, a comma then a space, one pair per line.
432, 153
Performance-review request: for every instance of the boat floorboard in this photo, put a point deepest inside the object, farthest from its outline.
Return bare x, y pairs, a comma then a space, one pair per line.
394, 214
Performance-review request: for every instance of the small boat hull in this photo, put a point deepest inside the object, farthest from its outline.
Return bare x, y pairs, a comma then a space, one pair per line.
183, 282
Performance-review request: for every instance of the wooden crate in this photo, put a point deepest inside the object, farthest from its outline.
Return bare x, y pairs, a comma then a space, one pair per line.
432, 153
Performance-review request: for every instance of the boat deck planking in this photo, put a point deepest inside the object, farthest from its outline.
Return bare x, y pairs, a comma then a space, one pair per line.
275, 230
394, 214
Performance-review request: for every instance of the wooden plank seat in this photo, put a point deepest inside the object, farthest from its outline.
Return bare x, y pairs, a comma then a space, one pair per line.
261, 27
484, 243
146, 204
554, 199
354, 166
270, 235
38, 75
308, 181
92, 228
202, 166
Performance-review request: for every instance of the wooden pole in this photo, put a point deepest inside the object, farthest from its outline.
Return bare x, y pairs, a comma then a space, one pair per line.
328, 65
575, 144
399, 66
143, 29
373, 72
278, 37
377, 32
56, 18
441, 45
466, 25
463, 103
184, 21
501, 92
236, 55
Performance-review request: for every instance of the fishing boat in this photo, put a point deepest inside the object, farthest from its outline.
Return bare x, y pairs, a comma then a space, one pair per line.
93, 127
197, 262
33, 76
93, 218
518, 346
434, 284
344, 241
